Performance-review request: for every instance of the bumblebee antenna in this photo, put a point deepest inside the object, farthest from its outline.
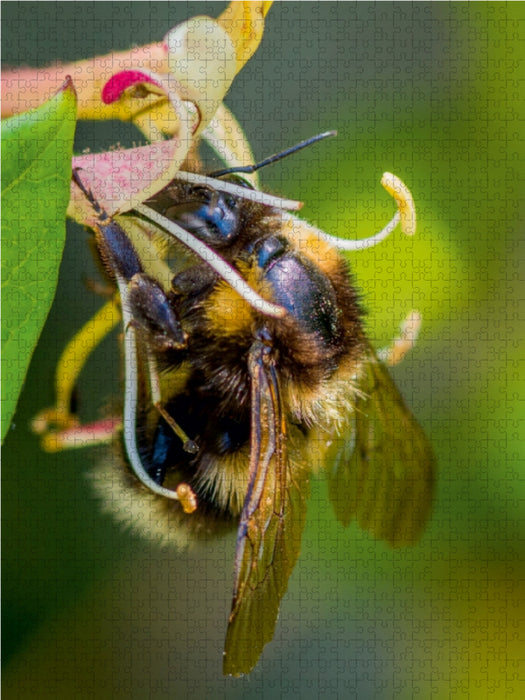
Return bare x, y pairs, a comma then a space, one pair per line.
275, 157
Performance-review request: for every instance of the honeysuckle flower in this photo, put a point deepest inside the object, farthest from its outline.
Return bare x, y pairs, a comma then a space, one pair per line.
181, 99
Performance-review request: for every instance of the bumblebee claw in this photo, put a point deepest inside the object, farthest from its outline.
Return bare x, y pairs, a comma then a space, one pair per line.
191, 447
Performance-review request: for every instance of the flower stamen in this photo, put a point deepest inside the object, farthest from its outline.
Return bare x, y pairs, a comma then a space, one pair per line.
394, 353
405, 215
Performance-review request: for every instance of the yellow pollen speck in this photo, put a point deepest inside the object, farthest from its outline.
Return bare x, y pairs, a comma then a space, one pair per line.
187, 498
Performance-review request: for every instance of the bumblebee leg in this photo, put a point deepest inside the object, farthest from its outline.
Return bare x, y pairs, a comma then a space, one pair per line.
151, 309
164, 443
157, 465
149, 318
153, 313
156, 397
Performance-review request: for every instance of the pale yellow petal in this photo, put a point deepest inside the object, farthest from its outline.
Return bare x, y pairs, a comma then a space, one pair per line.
244, 22
202, 61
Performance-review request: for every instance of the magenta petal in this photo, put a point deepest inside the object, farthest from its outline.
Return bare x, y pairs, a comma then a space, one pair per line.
119, 82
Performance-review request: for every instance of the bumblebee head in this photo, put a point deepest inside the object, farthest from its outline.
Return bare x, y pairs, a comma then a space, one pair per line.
213, 217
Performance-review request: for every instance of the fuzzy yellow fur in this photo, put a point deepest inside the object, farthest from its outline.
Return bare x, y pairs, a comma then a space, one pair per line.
318, 251
227, 313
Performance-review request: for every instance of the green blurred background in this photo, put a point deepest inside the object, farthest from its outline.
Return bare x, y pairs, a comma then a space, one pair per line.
434, 93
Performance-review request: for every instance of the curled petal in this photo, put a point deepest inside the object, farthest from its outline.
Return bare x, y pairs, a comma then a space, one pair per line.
203, 63
100, 433
151, 110
183, 122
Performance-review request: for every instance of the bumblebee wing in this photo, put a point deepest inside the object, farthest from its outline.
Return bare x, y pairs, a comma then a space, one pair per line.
271, 526
382, 474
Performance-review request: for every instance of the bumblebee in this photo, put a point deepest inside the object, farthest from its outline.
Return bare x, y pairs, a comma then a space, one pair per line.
243, 370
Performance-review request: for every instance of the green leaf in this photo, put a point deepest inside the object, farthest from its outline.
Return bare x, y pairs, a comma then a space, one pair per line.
36, 172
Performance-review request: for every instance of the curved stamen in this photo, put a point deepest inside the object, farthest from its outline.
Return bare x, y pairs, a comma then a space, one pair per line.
131, 399
346, 244
405, 215
221, 267
400, 192
405, 341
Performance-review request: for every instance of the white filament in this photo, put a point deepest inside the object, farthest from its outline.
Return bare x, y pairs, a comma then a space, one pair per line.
409, 329
344, 243
239, 191
131, 399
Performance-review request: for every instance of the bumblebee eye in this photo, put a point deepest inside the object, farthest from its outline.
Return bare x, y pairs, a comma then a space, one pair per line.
231, 202
201, 192
210, 215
